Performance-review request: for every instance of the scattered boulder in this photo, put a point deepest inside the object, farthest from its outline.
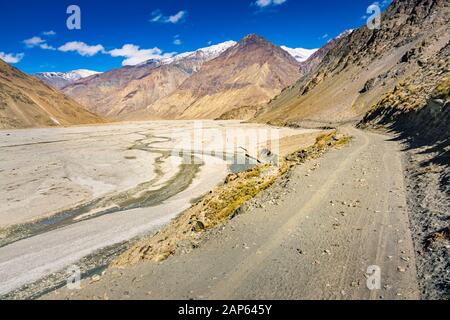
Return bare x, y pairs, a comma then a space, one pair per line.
95, 278
198, 226
267, 156
367, 86
408, 56
230, 178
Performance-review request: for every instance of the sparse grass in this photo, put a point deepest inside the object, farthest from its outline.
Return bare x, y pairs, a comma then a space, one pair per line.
442, 91
323, 140
246, 187
343, 141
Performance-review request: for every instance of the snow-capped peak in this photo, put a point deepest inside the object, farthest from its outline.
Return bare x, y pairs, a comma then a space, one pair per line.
84, 73
61, 79
345, 33
207, 53
70, 76
299, 54
212, 52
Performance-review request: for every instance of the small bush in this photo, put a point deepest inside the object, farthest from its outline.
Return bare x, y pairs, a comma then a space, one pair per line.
442, 90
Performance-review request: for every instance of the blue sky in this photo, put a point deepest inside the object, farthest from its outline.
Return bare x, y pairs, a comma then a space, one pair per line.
35, 37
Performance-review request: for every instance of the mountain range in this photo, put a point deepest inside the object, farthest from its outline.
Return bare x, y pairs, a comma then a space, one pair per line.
393, 80
60, 80
125, 90
159, 89
28, 102
345, 80
366, 65
230, 80
247, 74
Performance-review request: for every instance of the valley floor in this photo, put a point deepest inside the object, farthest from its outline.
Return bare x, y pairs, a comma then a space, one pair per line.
79, 195
316, 234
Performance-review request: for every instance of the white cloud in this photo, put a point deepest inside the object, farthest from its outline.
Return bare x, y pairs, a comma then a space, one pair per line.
49, 33
157, 16
11, 57
45, 46
269, 3
82, 48
33, 42
177, 17
38, 42
135, 55
177, 41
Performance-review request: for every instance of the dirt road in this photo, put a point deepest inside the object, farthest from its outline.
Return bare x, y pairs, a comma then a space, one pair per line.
313, 235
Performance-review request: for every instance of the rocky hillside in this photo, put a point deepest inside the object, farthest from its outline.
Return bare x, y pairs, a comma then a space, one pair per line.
248, 74
27, 102
367, 64
420, 102
129, 89
60, 80
316, 58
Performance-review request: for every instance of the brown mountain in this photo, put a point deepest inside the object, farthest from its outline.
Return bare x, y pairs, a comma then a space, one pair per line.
368, 64
248, 74
27, 102
126, 89
129, 89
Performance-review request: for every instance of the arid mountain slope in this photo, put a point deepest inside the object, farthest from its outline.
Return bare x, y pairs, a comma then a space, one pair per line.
27, 102
420, 102
367, 64
248, 74
316, 58
119, 92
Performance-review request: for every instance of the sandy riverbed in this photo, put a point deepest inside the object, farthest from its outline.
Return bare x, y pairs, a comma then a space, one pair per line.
105, 184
